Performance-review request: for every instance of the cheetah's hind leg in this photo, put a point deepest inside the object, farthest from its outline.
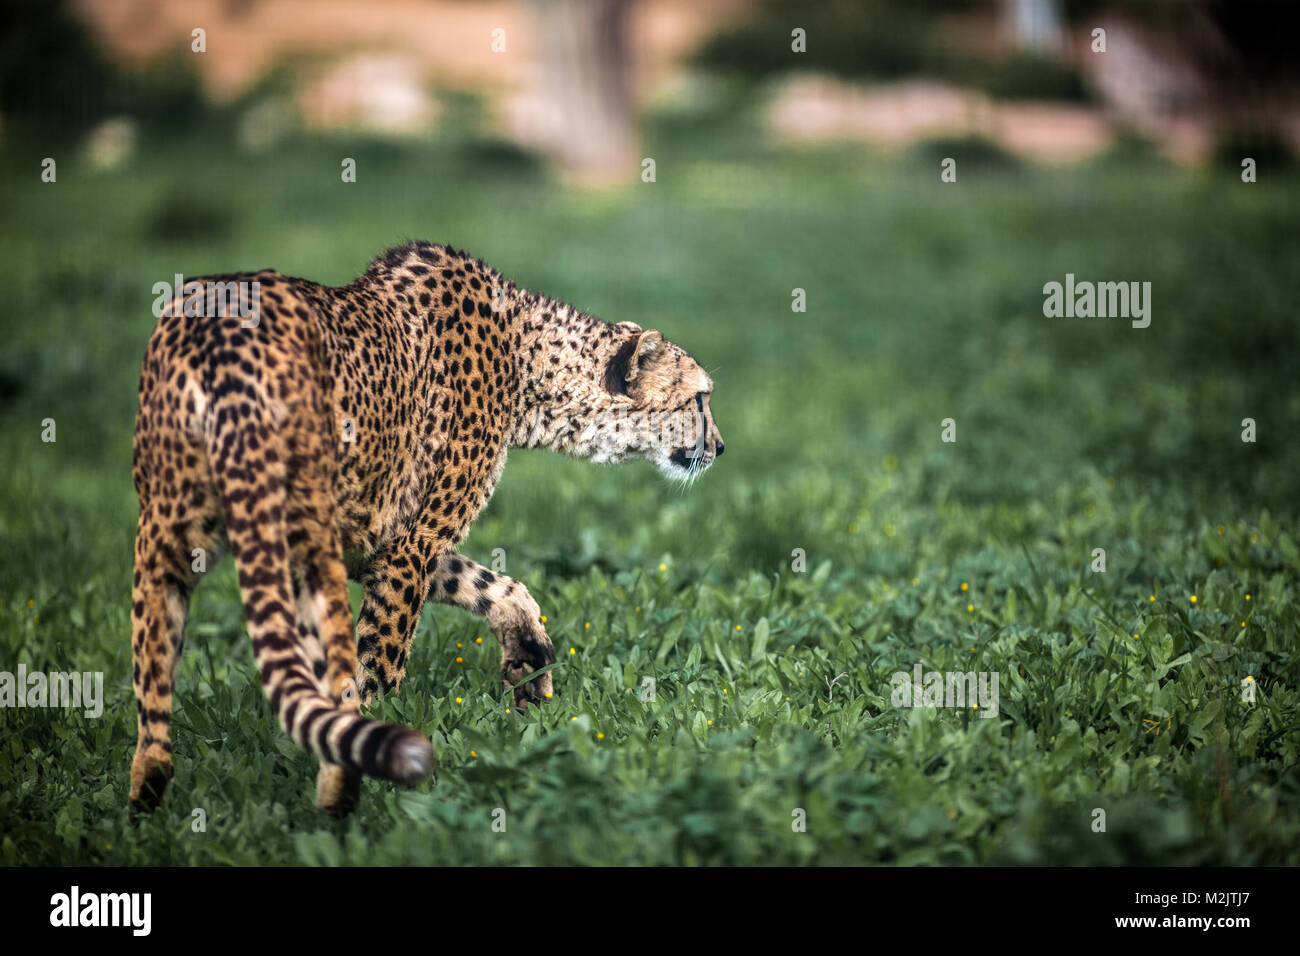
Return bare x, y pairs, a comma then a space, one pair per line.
159, 603
337, 789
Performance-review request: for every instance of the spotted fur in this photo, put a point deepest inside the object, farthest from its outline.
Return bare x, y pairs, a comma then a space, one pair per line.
360, 430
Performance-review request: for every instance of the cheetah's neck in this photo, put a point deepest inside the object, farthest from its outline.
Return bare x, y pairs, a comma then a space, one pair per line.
562, 357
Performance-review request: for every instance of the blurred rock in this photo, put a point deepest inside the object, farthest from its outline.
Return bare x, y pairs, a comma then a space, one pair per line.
809, 108
111, 144
382, 92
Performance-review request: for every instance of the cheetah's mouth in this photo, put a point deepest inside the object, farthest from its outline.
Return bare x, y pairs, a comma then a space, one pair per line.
686, 464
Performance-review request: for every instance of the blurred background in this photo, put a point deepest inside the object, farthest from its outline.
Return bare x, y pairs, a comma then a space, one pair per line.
691, 165
794, 234
574, 81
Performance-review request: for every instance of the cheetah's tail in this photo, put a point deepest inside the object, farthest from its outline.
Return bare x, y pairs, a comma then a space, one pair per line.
254, 505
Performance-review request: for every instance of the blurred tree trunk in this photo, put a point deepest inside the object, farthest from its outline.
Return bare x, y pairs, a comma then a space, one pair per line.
587, 79
1034, 25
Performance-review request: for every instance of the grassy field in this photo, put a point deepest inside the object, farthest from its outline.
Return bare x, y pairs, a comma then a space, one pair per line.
1118, 690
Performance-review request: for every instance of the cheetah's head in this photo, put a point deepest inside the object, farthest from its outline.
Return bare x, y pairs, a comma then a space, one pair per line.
659, 399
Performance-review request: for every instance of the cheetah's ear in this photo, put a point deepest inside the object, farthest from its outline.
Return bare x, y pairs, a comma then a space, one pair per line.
630, 359
648, 343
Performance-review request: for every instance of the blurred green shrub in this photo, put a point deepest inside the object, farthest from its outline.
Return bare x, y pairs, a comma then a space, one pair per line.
882, 40
183, 214
976, 152
53, 76
1262, 142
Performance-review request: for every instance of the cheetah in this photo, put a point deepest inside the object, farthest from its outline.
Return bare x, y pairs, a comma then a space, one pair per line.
356, 432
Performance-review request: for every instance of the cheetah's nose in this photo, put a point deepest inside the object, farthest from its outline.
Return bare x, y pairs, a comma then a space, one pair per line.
721, 449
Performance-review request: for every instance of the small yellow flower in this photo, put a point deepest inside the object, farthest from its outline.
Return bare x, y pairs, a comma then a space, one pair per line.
459, 644
710, 723
1249, 678
458, 700
970, 607
965, 586
638, 607
1193, 598
548, 695
1243, 623
478, 640
543, 618
1153, 726
572, 651
915, 581
600, 736
724, 690
460, 660
663, 567
573, 718
737, 627
1247, 597
1135, 637
1152, 599
1220, 529
586, 626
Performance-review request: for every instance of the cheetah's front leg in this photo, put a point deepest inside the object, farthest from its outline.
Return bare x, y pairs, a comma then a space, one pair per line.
394, 581
512, 614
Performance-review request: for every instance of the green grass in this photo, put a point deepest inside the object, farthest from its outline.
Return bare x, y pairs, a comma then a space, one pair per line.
924, 303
